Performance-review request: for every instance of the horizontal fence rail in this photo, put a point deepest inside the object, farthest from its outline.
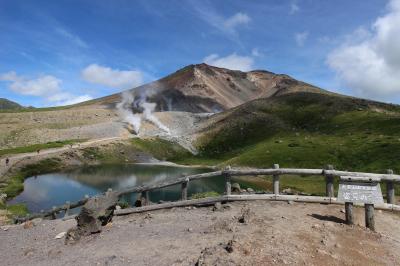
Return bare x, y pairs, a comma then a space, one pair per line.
275, 172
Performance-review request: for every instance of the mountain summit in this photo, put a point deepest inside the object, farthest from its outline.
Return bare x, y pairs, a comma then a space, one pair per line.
204, 88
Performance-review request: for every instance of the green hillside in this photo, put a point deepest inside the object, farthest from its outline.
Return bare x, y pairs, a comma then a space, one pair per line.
9, 105
306, 130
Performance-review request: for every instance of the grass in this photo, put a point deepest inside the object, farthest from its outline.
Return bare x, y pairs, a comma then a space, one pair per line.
35, 147
205, 195
305, 130
169, 151
17, 210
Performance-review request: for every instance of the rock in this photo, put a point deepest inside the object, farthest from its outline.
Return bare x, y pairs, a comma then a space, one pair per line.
291, 202
37, 221
235, 187
5, 228
337, 245
117, 207
97, 212
190, 230
245, 216
217, 206
28, 224
3, 197
342, 211
316, 226
250, 190
227, 207
60, 235
287, 191
229, 246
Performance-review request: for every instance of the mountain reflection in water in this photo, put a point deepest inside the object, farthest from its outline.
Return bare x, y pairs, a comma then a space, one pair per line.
44, 191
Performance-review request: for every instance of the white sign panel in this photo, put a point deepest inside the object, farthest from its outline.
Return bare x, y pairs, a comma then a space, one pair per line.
360, 192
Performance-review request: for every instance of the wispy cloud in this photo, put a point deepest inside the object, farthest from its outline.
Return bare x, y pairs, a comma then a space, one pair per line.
368, 61
232, 61
301, 38
47, 87
75, 39
113, 78
294, 8
228, 25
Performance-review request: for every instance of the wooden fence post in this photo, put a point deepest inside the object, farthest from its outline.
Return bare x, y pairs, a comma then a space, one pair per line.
54, 214
390, 198
330, 191
145, 198
67, 208
276, 180
349, 212
369, 216
228, 186
184, 189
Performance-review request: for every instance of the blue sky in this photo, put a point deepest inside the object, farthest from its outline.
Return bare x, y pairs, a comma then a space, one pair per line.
61, 52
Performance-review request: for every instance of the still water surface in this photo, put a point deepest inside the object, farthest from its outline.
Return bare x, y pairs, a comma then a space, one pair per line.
44, 191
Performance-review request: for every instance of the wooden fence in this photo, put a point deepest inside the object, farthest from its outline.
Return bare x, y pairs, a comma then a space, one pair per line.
329, 172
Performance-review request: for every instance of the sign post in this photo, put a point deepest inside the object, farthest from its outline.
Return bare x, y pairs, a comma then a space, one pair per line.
358, 190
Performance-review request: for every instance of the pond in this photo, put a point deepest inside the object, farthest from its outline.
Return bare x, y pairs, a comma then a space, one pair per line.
44, 191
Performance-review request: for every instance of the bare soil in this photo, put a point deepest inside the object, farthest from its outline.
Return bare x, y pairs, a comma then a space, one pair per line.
241, 233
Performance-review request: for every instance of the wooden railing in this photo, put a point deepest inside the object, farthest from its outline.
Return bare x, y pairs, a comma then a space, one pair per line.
330, 174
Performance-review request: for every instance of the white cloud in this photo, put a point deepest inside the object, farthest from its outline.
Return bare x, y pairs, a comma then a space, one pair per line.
48, 87
256, 53
232, 61
40, 86
232, 22
120, 79
301, 38
227, 25
294, 8
368, 61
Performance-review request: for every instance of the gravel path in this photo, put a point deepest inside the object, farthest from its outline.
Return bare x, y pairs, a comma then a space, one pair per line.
252, 233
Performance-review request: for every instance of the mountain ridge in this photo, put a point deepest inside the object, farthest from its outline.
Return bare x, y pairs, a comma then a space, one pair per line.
204, 88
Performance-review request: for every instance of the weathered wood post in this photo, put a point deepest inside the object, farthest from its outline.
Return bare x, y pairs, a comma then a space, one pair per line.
67, 208
348, 206
330, 191
369, 216
390, 198
184, 188
54, 214
228, 186
145, 198
276, 180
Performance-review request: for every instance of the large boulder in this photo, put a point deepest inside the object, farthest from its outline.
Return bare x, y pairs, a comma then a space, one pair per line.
97, 212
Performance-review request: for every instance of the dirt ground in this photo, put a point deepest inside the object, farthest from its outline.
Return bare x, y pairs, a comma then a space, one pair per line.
241, 233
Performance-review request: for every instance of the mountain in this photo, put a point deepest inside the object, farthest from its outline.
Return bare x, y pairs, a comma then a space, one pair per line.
203, 88
6, 104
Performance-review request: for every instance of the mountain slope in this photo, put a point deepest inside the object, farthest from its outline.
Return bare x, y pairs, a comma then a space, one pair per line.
305, 129
204, 88
6, 104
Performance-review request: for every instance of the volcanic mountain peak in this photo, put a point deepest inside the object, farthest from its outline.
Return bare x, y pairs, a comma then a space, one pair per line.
204, 88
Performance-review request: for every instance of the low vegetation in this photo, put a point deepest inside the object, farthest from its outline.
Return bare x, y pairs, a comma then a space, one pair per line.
307, 130
36, 147
201, 195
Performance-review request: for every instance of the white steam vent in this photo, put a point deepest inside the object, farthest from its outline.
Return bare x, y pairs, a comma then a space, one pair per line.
125, 110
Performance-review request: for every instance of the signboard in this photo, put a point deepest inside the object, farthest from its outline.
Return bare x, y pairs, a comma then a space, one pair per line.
360, 192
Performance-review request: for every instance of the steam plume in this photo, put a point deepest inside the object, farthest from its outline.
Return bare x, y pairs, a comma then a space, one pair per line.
128, 101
